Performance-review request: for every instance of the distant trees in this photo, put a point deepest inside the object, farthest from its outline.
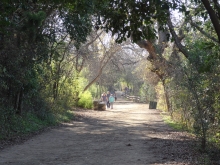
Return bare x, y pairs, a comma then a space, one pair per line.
177, 69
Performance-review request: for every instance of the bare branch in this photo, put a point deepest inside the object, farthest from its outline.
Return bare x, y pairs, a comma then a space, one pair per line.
176, 39
203, 32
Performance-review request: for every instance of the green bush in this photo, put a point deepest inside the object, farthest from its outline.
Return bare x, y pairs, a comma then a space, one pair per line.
85, 100
29, 123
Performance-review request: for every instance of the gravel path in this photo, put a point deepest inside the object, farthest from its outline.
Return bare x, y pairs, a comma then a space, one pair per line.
129, 134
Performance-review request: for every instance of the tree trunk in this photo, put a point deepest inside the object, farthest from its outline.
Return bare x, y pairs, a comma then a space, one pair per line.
55, 90
104, 62
167, 98
18, 102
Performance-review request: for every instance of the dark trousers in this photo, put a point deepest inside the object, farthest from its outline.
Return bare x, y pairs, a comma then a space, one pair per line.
108, 104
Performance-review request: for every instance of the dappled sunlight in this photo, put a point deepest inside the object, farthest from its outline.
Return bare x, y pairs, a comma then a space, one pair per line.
128, 134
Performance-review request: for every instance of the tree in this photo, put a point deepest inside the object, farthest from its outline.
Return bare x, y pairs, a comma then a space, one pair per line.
105, 52
30, 32
136, 19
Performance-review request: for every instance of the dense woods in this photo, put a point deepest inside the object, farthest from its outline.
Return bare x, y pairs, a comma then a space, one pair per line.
56, 55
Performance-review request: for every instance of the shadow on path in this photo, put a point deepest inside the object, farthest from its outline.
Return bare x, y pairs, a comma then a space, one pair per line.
130, 134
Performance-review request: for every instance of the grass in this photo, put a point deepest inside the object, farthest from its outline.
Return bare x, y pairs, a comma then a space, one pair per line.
30, 123
65, 117
168, 120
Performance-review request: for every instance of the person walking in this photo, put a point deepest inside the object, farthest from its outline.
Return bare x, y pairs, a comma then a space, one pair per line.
111, 100
104, 98
115, 96
108, 95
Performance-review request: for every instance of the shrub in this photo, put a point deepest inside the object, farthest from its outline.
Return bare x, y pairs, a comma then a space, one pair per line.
85, 100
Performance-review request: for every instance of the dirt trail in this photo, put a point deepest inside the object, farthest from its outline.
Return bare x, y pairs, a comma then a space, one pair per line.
129, 134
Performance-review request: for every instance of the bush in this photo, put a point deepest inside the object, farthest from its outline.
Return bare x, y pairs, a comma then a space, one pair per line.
28, 123
85, 100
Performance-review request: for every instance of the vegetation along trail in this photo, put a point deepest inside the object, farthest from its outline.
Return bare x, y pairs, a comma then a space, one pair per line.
129, 134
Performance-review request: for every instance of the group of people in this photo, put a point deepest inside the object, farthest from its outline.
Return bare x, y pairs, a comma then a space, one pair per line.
109, 99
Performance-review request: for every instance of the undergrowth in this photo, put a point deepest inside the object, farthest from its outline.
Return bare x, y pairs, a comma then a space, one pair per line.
30, 123
178, 126
209, 156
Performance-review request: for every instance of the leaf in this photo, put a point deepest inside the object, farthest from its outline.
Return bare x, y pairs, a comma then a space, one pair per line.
4, 70
187, 13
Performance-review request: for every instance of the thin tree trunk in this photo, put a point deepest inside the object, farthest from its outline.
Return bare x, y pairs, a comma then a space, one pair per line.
103, 64
201, 115
167, 98
18, 102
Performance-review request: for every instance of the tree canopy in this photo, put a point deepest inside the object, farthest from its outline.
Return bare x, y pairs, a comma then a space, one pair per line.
52, 51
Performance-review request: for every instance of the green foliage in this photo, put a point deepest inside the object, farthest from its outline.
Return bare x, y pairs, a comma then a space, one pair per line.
176, 125
77, 19
14, 125
94, 90
39, 80
67, 116
134, 18
78, 26
31, 122
148, 91
193, 89
34, 84
202, 55
86, 100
